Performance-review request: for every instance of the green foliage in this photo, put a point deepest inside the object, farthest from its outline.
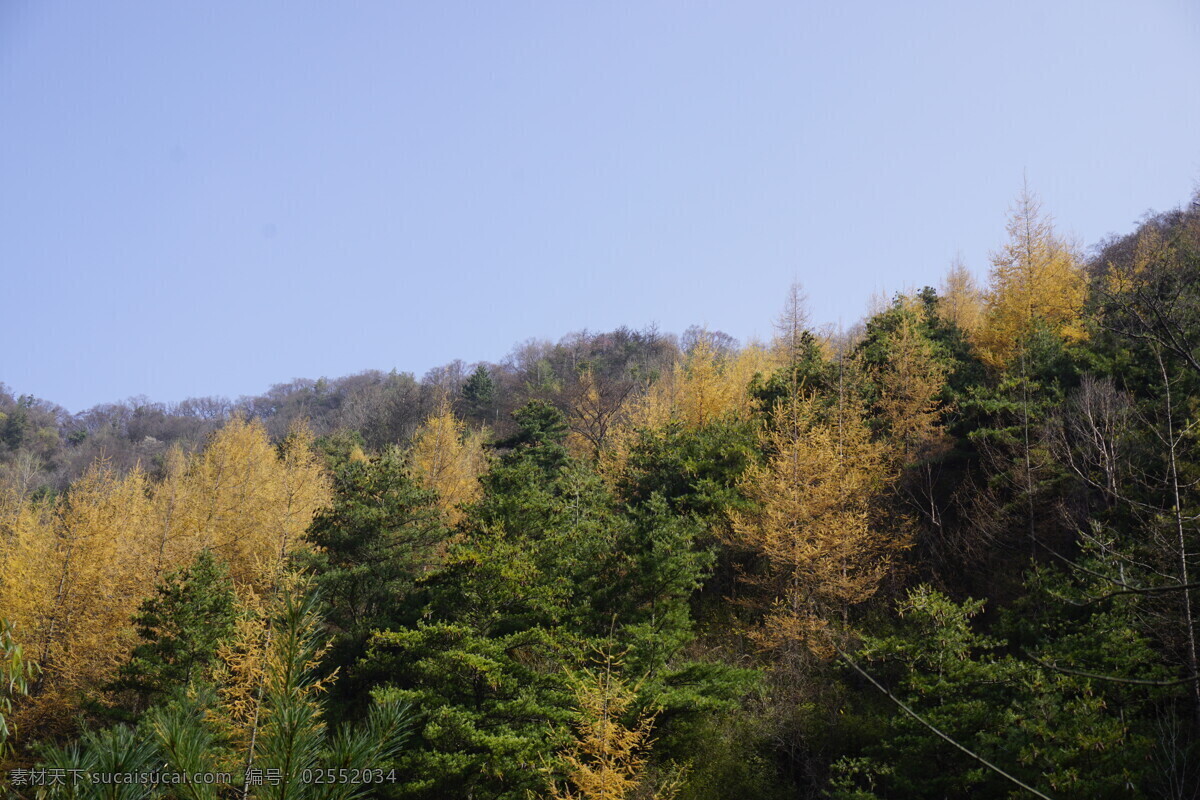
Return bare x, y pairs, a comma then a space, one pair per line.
1019, 480
547, 565
541, 431
15, 673
190, 733
807, 372
694, 471
340, 447
191, 612
487, 701
118, 750
374, 542
479, 393
1066, 733
1044, 370
949, 343
731, 757
657, 570
189, 739
15, 426
292, 738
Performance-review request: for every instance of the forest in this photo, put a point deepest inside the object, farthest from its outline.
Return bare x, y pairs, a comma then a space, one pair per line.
952, 551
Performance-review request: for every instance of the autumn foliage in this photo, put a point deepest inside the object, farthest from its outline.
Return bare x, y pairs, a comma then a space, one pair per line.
1035, 278
448, 459
819, 526
73, 570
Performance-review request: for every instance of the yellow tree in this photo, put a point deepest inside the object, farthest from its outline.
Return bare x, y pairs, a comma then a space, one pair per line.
169, 538
26, 542
819, 527
244, 499
72, 572
28, 557
301, 489
702, 388
607, 760
910, 382
708, 385
447, 459
961, 300
1035, 278
73, 576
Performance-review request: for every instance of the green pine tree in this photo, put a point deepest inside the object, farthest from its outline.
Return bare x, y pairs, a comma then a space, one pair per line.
191, 612
479, 394
373, 543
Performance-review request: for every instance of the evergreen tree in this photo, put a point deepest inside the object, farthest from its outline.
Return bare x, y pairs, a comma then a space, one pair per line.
1039, 715
479, 393
275, 745
373, 543
181, 626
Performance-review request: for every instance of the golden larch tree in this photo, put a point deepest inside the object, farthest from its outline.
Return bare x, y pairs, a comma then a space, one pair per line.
1035, 279
73, 577
607, 758
447, 459
910, 406
302, 488
961, 301
246, 500
910, 387
709, 385
824, 538
73, 571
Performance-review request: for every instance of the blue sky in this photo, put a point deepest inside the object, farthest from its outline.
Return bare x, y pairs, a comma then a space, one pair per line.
211, 197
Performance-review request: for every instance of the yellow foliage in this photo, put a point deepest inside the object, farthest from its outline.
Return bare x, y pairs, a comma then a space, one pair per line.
607, 760
248, 503
72, 576
73, 572
708, 386
241, 670
26, 546
261, 659
961, 300
703, 387
1035, 278
447, 459
910, 382
819, 526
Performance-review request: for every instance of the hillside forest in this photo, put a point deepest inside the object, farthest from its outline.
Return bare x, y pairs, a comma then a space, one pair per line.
953, 551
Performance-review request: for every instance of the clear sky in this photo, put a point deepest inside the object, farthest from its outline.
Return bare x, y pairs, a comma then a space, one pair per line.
210, 197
